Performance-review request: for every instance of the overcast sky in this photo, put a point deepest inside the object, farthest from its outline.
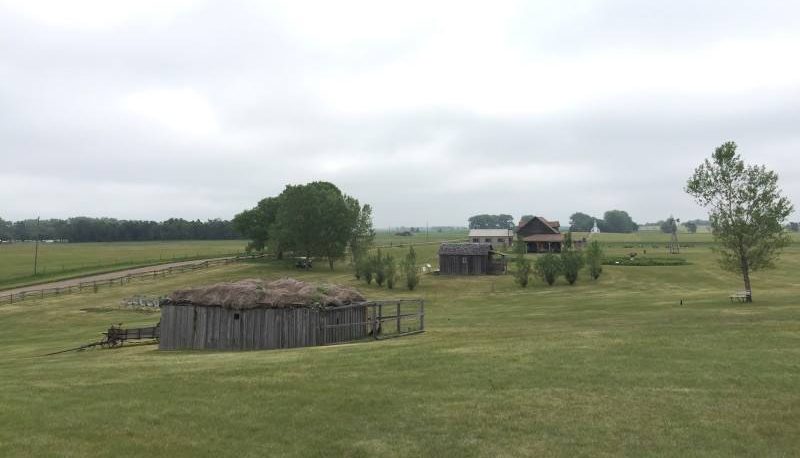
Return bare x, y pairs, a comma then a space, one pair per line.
429, 111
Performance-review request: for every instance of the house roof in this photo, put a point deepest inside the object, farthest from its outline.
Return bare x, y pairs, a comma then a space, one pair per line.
552, 225
466, 249
544, 238
491, 233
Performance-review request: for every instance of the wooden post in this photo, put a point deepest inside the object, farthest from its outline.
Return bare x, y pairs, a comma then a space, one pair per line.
422, 315
398, 317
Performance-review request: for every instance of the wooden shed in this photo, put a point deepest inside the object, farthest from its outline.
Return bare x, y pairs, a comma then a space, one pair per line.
469, 259
254, 314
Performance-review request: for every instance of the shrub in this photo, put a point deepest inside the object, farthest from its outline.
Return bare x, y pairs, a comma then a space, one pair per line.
390, 270
409, 268
379, 267
548, 268
522, 271
594, 258
571, 264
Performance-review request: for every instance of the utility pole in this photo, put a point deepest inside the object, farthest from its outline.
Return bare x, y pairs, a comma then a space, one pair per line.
36, 253
426, 231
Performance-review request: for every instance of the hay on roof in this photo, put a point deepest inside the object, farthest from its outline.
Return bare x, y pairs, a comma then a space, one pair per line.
257, 293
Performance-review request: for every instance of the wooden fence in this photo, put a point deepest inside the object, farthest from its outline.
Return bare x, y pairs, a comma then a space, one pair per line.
94, 285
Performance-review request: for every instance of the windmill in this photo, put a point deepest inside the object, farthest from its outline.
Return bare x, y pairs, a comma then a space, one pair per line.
674, 246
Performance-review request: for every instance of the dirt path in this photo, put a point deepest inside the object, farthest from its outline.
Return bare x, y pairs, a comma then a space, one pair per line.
105, 276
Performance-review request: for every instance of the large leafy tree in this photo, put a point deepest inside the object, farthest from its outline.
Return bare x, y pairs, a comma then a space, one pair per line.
746, 208
316, 219
257, 224
619, 221
501, 221
580, 222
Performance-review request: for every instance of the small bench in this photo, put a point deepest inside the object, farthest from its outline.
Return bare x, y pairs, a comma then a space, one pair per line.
741, 296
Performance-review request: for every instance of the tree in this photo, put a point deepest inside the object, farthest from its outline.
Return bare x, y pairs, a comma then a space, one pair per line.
580, 222
484, 221
363, 235
522, 271
747, 211
571, 260
390, 267
794, 227
594, 259
548, 267
257, 223
618, 221
315, 219
410, 270
690, 226
669, 226
379, 267
525, 218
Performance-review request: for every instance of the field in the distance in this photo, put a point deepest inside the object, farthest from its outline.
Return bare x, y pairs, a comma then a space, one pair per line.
607, 368
62, 260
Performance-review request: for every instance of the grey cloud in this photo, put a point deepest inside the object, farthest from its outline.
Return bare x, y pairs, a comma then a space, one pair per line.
63, 132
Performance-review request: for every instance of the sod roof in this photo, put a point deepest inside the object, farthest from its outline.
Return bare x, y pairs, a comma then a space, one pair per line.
258, 293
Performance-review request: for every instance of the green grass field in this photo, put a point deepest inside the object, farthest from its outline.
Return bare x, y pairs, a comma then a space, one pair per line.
63, 260
606, 368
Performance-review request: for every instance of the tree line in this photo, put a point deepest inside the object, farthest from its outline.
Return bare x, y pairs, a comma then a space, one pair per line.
85, 229
612, 221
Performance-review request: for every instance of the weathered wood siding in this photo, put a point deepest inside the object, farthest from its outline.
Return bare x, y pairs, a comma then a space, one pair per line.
201, 327
456, 265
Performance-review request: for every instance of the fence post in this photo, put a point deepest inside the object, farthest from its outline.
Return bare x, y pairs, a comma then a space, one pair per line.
422, 314
398, 317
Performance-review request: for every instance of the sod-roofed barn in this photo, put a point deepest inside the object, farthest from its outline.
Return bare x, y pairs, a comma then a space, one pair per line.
257, 314
470, 259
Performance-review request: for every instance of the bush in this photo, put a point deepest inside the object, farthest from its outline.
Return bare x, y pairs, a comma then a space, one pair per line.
548, 268
410, 269
594, 258
379, 267
644, 261
390, 268
522, 271
571, 264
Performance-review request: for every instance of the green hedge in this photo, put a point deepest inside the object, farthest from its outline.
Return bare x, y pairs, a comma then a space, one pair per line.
644, 261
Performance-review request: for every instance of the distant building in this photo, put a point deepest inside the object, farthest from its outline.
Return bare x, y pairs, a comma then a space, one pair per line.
595, 229
469, 259
496, 237
541, 235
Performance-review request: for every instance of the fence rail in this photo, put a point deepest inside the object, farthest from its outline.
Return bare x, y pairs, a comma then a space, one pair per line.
94, 285
381, 320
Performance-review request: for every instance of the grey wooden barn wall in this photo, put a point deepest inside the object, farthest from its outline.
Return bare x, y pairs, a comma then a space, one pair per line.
453, 264
202, 327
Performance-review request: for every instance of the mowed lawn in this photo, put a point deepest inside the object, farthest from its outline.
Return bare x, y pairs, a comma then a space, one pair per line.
62, 260
606, 368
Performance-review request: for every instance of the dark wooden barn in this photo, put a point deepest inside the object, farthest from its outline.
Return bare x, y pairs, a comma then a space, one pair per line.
469, 259
541, 235
251, 315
